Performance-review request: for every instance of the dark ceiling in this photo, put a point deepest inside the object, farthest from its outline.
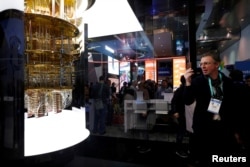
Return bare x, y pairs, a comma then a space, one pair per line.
217, 26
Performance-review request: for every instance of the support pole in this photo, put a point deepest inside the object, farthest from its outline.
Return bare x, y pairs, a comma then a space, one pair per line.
192, 34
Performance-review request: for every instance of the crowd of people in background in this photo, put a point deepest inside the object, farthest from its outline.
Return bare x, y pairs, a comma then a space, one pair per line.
115, 98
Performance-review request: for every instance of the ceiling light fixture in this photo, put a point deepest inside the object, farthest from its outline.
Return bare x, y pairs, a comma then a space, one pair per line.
109, 49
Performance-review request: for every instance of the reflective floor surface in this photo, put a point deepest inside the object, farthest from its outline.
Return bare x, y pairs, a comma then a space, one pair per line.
131, 149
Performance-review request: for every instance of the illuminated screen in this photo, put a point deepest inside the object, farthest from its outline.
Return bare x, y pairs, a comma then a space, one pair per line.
113, 66
124, 72
179, 68
150, 69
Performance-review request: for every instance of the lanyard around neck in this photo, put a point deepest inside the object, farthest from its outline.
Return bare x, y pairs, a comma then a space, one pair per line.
211, 87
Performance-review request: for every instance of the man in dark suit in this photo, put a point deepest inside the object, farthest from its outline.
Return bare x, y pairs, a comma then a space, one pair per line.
213, 115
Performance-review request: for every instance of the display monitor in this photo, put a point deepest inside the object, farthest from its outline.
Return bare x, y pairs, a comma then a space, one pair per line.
113, 66
150, 70
124, 72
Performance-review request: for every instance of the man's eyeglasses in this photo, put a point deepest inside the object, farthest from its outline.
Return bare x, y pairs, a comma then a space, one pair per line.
205, 63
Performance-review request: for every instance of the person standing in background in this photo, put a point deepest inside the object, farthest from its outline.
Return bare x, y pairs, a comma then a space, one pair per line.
144, 146
169, 80
110, 110
178, 113
242, 124
122, 92
101, 92
164, 88
113, 88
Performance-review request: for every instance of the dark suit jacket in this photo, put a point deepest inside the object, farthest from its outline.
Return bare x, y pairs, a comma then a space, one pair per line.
200, 91
178, 105
101, 91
